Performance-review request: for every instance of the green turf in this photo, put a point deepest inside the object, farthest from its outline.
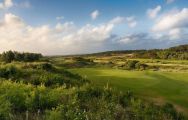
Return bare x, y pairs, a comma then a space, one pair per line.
165, 86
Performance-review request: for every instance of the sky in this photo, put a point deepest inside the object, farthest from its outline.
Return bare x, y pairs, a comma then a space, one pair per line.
61, 27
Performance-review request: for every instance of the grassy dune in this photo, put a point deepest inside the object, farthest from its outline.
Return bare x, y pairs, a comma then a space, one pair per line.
157, 85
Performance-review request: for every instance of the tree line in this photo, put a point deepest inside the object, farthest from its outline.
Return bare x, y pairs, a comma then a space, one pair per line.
162, 54
10, 56
177, 53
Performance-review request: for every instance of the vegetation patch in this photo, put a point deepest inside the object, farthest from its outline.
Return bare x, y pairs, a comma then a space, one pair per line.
95, 87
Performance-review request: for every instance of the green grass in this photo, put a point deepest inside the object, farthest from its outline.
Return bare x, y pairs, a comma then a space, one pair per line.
157, 85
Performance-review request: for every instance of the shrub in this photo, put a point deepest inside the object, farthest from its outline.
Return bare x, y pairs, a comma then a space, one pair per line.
86, 103
10, 72
5, 109
44, 98
52, 79
45, 66
141, 66
171, 112
131, 64
16, 94
10, 56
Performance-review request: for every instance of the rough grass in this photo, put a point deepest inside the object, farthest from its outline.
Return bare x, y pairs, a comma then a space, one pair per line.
161, 86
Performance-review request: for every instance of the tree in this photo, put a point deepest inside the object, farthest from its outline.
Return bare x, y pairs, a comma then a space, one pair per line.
8, 56
131, 64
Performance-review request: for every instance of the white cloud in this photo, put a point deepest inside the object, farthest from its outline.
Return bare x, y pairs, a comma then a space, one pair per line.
11, 20
67, 38
175, 34
172, 20
94, 14
131, 21
117, 20
65, 28
151, 41
60, 18
127, 39
169, 1
64, 38
6, 4
152, 13
131, 38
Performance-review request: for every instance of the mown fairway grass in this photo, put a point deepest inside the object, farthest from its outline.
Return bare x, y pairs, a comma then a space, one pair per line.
157, 85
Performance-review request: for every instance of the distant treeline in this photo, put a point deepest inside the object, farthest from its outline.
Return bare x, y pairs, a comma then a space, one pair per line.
10, 56
178, 53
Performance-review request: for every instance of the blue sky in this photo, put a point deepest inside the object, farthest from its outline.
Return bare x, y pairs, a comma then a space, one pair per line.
86, 26
78, 11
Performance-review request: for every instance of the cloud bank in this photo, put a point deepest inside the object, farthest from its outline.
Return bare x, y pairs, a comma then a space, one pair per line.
67, 38
172, 20
64, 38
6, 4
169, 28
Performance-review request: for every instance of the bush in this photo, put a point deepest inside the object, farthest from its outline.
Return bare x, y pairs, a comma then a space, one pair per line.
18, 98
98, 104
46, 66
52, 79
40, 66
15, 94
55, 80
5, 109
134, 64
10, 56
141, 66
171, 112
86, 103
44, 98
10, 72
131, 64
